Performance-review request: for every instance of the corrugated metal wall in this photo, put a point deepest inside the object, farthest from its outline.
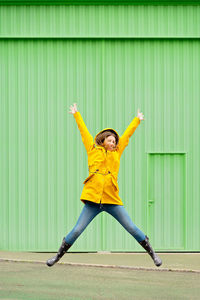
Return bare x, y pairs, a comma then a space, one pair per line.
43, 161
97, 21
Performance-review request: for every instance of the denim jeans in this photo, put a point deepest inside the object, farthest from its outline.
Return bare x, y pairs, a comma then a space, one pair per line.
91, 210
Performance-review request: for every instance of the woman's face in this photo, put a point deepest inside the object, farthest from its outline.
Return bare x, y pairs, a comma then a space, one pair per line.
109, 143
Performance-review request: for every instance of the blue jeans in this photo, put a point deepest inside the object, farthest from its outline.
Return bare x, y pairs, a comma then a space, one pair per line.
91, 210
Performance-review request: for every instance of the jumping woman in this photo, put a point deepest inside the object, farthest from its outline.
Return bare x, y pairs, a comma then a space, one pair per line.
101, 191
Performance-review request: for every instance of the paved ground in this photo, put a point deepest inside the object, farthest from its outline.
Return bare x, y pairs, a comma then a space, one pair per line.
25, 276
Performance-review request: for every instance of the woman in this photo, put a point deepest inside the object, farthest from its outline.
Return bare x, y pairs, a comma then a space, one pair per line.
101, 191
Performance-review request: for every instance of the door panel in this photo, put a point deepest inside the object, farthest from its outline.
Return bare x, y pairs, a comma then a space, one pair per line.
166, 194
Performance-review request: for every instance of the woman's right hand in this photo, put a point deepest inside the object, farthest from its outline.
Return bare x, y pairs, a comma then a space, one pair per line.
73, 108
140, 115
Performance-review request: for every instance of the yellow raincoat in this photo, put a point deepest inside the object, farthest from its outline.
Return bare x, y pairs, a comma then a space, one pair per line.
101, 185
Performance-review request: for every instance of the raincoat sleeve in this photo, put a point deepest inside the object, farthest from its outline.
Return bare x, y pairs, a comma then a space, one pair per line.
86, 136
124, 139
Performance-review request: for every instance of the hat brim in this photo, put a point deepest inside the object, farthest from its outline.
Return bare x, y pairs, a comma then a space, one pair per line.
114, 132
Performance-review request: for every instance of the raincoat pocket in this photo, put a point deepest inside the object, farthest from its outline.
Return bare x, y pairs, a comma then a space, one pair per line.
88, 178
115, 184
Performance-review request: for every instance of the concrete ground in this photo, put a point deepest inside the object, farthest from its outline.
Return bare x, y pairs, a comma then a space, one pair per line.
99, 276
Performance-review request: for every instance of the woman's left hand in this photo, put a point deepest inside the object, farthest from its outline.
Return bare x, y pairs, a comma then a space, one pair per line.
140, 115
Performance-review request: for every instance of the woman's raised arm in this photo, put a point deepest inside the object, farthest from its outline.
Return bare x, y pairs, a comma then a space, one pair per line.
124, 139
86, 136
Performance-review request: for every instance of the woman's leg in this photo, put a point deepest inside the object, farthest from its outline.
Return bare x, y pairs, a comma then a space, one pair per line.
89, 211
122, 216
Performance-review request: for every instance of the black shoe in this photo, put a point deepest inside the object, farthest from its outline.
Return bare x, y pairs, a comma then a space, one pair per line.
146, 245
63, 249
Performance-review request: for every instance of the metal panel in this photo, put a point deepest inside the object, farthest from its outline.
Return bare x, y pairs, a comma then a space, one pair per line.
159, 77
98, 2
100, 21
43, 161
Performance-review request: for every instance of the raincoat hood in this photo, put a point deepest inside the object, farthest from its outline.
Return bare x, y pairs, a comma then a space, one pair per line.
108, 129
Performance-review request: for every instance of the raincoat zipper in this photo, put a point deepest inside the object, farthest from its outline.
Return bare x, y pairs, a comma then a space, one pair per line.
103, 187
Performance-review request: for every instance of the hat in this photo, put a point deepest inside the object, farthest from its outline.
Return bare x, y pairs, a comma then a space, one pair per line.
111, 130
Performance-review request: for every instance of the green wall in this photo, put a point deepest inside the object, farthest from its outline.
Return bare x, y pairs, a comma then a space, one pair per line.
53, 56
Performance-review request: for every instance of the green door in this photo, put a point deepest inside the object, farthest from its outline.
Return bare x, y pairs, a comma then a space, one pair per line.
166, 200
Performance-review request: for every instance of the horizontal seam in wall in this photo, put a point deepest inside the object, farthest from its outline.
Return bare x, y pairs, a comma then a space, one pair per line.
96, 38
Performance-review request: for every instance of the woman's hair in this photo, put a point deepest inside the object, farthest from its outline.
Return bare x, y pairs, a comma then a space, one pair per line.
101, 137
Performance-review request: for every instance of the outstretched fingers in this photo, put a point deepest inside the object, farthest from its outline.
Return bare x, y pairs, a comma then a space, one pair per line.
140, 114
73, 108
